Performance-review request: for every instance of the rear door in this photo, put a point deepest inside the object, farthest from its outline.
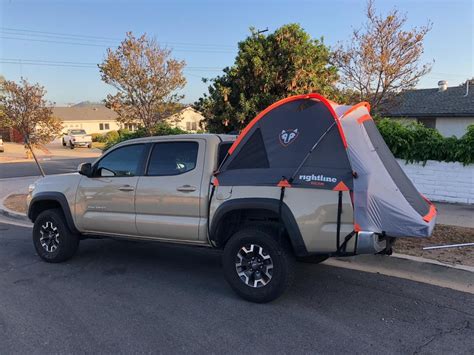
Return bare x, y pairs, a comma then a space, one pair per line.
168, 196
105, 203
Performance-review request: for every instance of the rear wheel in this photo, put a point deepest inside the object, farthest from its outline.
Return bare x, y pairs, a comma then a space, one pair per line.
71, 145
257, 266
53, 240
64, 143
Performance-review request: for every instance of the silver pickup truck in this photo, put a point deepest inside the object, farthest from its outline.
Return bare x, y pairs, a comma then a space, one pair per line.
77, 138
164, 189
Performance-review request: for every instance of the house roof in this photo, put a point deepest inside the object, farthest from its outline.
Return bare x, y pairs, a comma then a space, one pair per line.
84, 113
452, 102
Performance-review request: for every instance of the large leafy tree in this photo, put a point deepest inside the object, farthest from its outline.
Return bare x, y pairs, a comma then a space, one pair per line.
147, 79
24, 108
267, 68
382, 58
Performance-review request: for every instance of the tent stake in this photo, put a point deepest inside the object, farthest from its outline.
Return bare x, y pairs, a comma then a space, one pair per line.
449, 246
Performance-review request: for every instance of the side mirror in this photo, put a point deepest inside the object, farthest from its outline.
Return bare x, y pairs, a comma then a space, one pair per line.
85, 169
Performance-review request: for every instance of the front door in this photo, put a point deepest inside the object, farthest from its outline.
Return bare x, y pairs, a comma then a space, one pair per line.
168, 195
105, 203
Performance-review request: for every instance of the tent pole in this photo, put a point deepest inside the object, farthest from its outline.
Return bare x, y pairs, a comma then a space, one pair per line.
310, 152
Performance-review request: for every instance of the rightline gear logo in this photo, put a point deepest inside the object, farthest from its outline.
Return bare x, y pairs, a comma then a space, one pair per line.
317, 179
288, 136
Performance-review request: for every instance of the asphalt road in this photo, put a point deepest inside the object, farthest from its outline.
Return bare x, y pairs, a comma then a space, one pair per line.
124, 297
57, 166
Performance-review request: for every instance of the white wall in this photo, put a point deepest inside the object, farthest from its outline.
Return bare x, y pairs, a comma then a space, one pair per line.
453, 126
439, 181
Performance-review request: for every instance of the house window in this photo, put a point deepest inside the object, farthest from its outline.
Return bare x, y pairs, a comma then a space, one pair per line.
101, 126
428, 122
191, 126
104, 126
107, 126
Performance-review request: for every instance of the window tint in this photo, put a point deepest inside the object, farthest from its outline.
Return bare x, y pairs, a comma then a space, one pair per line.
173, 158
122, 161
78, 131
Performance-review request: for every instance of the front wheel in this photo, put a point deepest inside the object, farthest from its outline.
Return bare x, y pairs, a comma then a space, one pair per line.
71, 145
53, 240
257, 266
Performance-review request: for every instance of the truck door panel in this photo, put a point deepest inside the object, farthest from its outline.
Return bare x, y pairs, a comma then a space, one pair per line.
168, 197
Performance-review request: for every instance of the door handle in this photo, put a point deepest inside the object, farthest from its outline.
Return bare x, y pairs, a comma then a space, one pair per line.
186, 188
126, 188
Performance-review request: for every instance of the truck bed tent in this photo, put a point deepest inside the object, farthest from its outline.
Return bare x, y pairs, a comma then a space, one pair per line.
307, 141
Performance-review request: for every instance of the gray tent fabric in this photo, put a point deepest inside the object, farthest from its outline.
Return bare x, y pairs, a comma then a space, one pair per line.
278, 143
307, 141
385, 200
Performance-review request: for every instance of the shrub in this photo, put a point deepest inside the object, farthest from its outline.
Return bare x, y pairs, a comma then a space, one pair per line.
98, 137
111, 135
417, 143
160, 129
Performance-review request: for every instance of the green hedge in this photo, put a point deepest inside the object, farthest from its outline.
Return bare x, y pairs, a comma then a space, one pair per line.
416, 143
161, 129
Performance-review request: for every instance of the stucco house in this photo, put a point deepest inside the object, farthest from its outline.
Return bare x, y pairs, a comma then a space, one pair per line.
448, 109
96, 118
187, 119
93, 118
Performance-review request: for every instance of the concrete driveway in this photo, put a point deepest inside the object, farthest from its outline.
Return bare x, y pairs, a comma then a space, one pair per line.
15, 152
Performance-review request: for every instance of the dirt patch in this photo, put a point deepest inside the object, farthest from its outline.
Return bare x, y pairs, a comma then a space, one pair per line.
16, 202
442, 235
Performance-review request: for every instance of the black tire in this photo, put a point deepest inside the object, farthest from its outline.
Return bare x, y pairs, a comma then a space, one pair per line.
64, 143
89, 146
280, 256
71, 145
66, 242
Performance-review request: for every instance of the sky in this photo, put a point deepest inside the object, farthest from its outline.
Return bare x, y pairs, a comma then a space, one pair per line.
58, 43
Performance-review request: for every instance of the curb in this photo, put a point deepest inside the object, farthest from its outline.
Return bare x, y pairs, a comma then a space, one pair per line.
12, 214
459, 278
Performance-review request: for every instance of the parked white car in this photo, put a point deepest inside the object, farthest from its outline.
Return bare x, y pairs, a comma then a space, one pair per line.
77, 138
2, 148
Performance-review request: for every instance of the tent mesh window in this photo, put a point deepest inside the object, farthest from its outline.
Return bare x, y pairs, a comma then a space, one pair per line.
222, 151
253, 154
405, 185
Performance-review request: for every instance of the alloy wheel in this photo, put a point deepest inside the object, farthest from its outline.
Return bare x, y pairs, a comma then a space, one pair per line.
254, 265
49, 239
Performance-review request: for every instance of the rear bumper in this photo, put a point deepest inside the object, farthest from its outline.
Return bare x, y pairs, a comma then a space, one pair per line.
370, 243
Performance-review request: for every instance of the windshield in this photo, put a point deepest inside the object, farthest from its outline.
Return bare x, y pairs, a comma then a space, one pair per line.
78, 131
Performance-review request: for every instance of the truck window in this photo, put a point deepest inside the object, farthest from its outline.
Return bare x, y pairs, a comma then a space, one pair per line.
172, 158
78, 131
122, 161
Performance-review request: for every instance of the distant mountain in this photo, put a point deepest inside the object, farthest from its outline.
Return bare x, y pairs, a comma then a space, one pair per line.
87, 104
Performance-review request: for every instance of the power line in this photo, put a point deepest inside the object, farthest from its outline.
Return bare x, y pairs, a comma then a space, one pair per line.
86, 65
197, 50
75, 37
